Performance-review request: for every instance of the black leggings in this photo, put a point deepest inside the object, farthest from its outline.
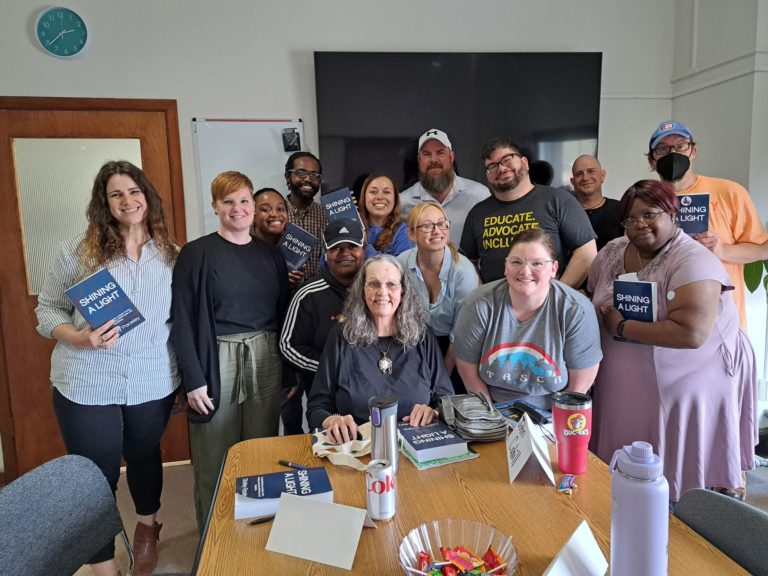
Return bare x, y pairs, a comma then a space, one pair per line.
106, 433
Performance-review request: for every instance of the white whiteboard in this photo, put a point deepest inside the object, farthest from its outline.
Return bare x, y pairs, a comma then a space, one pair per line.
253, 147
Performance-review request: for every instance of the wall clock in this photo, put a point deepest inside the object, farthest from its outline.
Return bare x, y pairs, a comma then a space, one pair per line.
61, 32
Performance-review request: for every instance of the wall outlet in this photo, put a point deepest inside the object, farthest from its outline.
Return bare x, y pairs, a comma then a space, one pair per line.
762, 390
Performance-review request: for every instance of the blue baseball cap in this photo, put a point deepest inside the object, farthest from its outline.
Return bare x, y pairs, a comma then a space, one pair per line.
667, 128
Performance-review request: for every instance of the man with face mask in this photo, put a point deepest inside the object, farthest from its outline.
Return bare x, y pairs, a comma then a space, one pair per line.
439, 183
736, 234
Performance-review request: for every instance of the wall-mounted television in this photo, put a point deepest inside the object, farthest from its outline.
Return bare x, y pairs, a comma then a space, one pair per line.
372, 107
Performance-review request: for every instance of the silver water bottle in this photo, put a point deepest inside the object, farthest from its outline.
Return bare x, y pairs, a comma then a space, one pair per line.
384, 444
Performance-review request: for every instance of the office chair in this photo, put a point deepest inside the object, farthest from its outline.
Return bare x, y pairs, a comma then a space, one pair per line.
739, 530
54, 518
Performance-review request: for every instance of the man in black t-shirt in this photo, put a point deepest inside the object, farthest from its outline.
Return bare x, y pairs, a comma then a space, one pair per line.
587, 182
516, 205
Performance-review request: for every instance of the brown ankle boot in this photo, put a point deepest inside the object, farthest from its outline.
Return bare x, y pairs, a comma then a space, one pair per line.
145, 548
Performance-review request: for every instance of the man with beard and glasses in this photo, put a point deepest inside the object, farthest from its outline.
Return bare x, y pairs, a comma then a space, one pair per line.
303, 175
517, 204
736, 234
439, 183
315, 309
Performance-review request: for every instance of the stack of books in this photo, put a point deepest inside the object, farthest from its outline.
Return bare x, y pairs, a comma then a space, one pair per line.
433, 445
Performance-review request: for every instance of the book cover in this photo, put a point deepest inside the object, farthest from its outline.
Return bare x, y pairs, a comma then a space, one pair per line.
468, 455
99, 298
693, 217
635, 299
340, 204
296, 244
260, 495
436, 440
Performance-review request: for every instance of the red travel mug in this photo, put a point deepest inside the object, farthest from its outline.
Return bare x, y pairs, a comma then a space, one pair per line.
572, 416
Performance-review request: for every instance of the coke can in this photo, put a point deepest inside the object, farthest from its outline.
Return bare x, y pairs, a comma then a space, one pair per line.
380, 489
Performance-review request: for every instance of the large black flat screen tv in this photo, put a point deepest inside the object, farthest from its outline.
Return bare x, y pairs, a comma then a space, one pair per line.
372, 107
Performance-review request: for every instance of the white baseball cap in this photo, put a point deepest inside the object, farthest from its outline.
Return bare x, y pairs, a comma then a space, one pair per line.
435, 134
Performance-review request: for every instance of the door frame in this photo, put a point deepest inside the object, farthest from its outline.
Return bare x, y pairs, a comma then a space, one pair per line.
52, 105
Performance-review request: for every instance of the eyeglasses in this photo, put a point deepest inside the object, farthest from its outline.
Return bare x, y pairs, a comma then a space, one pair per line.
536, 265
664, 149
375, 286
429, 226
506, 161
301, 173
645, 219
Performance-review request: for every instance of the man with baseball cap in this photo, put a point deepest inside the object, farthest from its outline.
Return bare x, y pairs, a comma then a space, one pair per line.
315, 309
736, 234
439, 183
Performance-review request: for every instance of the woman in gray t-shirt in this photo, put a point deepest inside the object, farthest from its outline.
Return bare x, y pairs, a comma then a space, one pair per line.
527, 335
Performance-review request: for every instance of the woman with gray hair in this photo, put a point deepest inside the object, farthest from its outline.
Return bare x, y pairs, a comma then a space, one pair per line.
384, 347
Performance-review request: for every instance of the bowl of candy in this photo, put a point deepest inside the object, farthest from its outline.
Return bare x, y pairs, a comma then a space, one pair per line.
455, 547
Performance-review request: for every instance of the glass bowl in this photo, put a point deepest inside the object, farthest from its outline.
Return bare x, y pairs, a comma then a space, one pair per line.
430, 536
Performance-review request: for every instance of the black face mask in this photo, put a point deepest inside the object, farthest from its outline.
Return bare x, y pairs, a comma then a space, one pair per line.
673, 166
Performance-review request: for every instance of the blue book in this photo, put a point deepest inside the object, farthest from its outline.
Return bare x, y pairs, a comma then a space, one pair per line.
340, 204
693, 217
99, 298
432, 442
259, 495
296, 244
635, 299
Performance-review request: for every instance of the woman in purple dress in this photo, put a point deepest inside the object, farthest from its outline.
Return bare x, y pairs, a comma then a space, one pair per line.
684, 382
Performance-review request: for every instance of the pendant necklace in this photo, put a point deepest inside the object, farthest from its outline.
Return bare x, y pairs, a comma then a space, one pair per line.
385, 362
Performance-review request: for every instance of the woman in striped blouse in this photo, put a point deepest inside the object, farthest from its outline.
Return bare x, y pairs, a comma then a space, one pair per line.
113, 394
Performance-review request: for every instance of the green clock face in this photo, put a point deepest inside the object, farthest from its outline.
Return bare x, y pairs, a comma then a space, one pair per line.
61, 32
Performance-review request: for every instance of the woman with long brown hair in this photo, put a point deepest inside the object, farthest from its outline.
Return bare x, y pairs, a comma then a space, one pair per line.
380, 212
113, 394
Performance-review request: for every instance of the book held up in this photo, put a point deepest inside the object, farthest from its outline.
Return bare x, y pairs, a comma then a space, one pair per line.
693, 217
296, 245
635, 299
99, 298
340, 204
260, 495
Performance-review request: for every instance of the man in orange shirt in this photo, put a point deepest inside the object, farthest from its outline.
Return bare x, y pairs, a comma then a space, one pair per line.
736, 234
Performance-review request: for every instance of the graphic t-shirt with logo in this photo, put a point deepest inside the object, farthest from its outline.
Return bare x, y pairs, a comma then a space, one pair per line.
530, 359
492, 223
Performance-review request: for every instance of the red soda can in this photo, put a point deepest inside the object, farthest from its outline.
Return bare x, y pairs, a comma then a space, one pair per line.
380, 489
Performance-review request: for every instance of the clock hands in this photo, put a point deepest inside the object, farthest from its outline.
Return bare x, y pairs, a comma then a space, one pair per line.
59, 35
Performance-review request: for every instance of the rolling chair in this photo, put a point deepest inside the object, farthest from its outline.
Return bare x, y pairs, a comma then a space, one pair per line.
54, 518
739, 530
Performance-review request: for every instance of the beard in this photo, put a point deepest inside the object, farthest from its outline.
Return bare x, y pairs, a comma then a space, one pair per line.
502, 187
436, 184
295, 188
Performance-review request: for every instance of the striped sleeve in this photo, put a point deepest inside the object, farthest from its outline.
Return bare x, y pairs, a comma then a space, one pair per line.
296, 337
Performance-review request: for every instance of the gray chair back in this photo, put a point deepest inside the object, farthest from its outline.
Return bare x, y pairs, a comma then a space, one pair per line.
54, 518
739, 530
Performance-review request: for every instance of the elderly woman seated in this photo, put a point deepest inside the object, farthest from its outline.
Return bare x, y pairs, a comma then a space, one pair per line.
527, 335
384, 347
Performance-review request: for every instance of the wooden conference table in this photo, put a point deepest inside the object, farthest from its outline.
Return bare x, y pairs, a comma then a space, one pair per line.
539, 519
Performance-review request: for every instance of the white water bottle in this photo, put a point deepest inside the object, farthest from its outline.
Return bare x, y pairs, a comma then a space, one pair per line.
639, 512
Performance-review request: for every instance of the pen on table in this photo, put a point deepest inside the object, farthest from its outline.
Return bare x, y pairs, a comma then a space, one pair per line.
261, 520
291, 465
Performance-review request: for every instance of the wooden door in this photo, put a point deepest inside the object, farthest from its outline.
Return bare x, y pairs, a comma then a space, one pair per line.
28, 427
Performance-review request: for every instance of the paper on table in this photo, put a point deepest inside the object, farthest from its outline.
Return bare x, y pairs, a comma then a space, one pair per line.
319, 531
524, 440
581, 556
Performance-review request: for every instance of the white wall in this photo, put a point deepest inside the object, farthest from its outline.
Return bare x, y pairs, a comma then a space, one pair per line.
249, 59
